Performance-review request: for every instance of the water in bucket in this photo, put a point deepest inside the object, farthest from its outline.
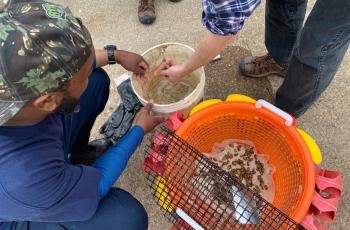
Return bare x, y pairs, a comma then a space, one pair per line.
169, 97
163, 91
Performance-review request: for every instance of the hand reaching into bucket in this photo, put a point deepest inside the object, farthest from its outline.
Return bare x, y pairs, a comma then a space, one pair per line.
147, 119
164, 65
133, 62
146, 81
175, 72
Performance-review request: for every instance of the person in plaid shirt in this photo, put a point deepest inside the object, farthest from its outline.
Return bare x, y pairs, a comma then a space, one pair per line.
226, 18
223, 19
307, 56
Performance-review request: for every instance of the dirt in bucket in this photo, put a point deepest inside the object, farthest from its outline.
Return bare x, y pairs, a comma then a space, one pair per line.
163, 91
240, 159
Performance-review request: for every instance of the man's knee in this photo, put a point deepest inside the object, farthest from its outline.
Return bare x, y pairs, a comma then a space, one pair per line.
132, 214
139, 214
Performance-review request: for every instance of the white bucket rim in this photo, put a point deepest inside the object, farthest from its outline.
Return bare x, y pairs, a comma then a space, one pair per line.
179, 104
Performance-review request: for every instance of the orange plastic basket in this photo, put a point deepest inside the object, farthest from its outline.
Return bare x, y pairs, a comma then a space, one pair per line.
295, 174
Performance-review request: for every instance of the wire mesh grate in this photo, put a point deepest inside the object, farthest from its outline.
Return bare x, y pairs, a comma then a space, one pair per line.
181, 177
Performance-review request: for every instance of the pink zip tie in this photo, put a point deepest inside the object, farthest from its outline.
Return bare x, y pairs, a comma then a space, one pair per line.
329, 187
325, 208
329, 179
155, 158
328, 190
310, 223
174, 121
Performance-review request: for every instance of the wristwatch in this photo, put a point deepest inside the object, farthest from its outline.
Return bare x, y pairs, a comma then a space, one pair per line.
110, 52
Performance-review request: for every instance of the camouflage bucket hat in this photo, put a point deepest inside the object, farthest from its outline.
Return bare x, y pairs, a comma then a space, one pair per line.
42, 45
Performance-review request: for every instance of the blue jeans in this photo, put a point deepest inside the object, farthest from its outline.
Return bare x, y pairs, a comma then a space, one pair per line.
312, 53
119, 209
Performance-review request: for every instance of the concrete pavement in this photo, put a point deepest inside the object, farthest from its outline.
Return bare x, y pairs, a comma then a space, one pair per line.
116, 22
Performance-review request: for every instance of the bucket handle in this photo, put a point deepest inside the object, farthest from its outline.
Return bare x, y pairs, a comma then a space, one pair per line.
188, 219
287, 117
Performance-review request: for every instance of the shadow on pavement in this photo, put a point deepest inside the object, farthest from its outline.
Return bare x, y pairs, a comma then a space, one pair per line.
223, 78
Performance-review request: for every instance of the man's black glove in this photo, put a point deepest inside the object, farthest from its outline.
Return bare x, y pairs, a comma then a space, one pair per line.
121, 119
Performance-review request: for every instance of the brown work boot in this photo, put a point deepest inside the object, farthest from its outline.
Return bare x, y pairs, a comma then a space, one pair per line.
261, 66
146, 12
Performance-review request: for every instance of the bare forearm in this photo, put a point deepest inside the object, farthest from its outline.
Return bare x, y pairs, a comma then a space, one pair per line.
128, 60
101, 58
210, 46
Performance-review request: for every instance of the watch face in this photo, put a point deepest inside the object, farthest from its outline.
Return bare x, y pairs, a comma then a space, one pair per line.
111, 47
110, 52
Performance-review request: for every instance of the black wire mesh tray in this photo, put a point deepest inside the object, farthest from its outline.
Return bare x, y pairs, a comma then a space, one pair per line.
197, 194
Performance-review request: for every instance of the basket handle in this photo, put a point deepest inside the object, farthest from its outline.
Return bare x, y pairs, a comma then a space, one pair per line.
188, 219
289, 119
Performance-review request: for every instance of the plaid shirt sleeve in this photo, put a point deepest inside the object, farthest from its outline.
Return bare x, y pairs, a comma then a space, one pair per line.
226, 17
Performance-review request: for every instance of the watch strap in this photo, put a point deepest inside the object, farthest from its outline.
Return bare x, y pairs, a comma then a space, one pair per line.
110, 53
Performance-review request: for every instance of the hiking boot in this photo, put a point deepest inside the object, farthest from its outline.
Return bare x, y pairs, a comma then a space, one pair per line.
146, 12
89, 154
261, 66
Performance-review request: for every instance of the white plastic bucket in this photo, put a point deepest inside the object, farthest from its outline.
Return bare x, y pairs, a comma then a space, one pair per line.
180, 53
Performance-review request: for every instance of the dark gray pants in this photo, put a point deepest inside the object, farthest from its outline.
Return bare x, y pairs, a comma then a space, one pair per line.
312, 53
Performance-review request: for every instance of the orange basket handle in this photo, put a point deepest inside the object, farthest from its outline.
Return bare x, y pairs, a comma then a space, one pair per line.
286, 116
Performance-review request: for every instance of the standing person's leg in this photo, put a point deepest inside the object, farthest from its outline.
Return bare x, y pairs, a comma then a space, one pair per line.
283, 21
77, 126
118, 210
317, 56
